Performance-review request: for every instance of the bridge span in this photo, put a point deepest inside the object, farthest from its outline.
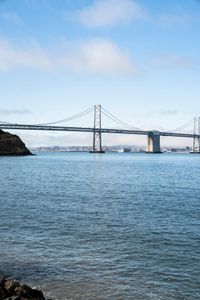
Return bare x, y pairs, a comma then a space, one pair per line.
153, 137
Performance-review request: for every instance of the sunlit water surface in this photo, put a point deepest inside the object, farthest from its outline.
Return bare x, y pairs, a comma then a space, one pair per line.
112, 226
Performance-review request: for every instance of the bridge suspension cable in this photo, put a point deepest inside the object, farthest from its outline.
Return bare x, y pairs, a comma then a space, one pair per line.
76, 116
118, 121
189, 123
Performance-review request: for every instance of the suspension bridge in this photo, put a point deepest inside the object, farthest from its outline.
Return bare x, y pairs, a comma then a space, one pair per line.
153, 136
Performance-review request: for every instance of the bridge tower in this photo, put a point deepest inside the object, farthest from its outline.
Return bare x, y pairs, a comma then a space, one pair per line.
97, 141
196, 139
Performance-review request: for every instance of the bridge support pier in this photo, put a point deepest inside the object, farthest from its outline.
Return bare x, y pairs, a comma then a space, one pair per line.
153, 142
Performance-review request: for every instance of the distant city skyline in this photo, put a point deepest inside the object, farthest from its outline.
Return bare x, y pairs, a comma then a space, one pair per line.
139, 59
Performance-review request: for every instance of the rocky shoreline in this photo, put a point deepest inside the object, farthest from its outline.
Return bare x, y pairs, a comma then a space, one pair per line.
11, 289
12, 145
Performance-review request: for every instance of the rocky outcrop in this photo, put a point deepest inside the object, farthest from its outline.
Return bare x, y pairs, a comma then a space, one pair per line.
12, 290
12, 145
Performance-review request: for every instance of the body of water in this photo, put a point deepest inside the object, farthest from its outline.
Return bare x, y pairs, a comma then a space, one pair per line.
111, 226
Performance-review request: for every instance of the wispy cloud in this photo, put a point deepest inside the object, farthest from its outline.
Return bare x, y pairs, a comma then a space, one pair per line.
174, 19
100, 56
103, 13
11, 17
166, 112
92, 56
8, 112
30, 55
169, 112
109, 12
175, 61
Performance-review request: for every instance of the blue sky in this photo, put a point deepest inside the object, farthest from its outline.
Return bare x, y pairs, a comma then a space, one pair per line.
139, 59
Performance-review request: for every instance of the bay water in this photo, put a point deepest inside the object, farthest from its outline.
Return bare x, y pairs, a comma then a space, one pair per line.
109, 226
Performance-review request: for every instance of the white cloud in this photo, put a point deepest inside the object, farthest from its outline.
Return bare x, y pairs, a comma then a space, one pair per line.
99, 56
109, 12
92, 56
31, 55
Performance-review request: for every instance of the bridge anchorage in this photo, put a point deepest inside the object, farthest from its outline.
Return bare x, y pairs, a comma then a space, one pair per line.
97, 141
196, 139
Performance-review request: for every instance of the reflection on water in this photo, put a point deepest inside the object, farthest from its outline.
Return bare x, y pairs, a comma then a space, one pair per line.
113, 226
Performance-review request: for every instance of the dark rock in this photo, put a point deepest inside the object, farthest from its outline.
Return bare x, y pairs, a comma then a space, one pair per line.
12, 290
24, 292
12, 145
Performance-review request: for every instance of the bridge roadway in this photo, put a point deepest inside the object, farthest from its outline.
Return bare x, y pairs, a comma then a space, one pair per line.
153, 136
91, 129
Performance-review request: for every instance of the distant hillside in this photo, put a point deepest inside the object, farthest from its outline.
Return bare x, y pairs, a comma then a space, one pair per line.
12, 145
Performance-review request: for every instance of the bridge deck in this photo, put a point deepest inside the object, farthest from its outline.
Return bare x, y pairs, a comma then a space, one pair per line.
90, 129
